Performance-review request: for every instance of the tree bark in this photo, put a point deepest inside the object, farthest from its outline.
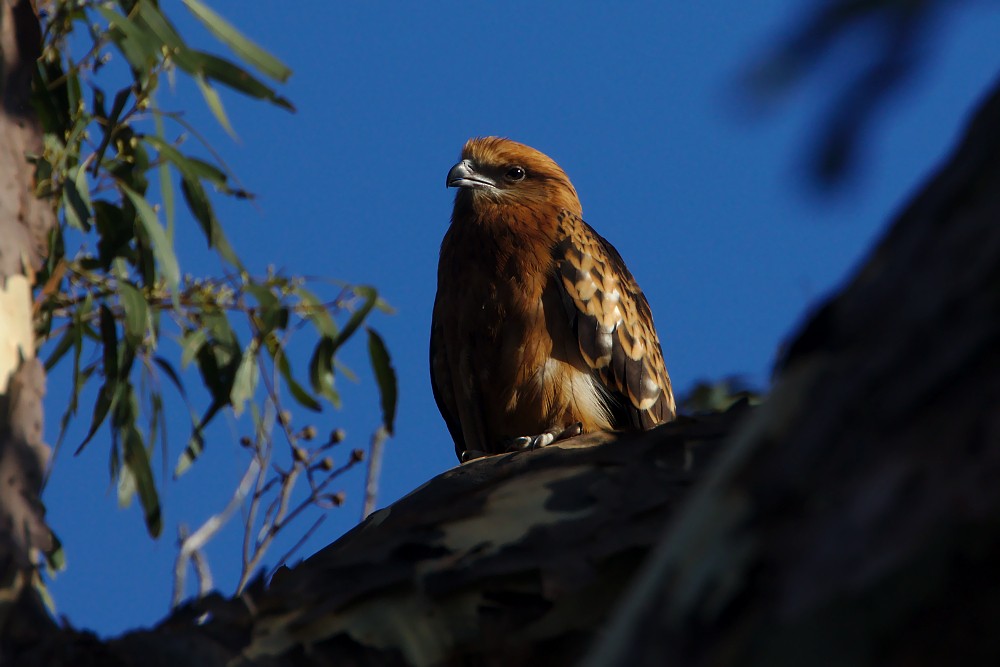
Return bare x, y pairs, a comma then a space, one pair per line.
856, 519
24, 224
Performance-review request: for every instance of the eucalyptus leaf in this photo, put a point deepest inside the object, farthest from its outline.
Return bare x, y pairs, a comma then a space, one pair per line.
162, 247
316, 312
201, 208
103, 404
237, 78
76, 199
168, 368
241, 46
299, 393
109, 341
370, 297
385, 376
136, 312
321, 370
137, 462
192, 339
245, 382
214, 103
153, 21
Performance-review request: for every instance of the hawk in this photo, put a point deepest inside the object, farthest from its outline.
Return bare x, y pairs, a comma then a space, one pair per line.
539, 331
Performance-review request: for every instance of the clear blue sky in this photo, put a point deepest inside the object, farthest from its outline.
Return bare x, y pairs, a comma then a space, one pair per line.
707, 204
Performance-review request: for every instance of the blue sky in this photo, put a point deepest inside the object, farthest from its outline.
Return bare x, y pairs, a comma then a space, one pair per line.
707, 203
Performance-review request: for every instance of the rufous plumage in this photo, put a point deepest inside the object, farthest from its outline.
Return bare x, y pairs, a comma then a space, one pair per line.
539, 330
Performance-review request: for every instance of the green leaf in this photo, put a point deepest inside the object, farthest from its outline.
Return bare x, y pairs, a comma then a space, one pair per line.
212, 174
76, 329
245, 382
193, 340
154, 22
76, 198
114, 235
321, 370
371, 297
192, 171
201, 208
162, 247
111, 126
168, 368
219, 359
303, 397
137, 462
166, 182
157, 420
189, 166
126, 484
217, 324
64, 345
194, 449
109, 340
385, 376
345, 370
316, 312
384, 307
139, 45
214, 103
136, 312
271, 314
236, 41
264, 296
223, 71
54, 80
105, 401
196, 443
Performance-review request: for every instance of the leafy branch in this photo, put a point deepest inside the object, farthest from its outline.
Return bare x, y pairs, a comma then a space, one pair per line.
114, 286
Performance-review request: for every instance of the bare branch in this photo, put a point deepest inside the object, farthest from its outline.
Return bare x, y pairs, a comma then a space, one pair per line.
197, 540
374, 468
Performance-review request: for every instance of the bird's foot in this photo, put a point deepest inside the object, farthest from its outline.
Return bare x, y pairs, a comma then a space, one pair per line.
544, 438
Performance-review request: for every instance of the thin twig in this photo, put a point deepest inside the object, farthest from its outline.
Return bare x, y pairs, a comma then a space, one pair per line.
197, 540
204, 574
262, 452
269, 530
374, 468
295, 547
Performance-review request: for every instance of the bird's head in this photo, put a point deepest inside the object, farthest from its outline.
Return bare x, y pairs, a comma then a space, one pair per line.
496, 174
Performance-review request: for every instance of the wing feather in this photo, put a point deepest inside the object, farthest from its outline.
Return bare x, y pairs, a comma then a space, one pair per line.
613, 325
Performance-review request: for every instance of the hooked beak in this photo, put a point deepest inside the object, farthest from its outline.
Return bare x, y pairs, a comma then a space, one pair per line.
464, 175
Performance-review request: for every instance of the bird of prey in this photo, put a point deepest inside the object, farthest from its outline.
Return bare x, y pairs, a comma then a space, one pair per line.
539, 331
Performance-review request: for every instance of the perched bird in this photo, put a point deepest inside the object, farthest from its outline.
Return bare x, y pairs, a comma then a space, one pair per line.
539, 331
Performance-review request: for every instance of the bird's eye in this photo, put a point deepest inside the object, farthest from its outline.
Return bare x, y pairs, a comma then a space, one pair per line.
515, 174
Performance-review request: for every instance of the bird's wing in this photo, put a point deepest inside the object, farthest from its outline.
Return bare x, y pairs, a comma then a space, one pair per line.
442, 383
613, 324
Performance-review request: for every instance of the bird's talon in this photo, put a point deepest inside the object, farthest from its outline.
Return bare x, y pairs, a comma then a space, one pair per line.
471, 455
544, 439
523, 442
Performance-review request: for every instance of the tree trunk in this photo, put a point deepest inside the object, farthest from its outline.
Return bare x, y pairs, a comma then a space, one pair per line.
24, 225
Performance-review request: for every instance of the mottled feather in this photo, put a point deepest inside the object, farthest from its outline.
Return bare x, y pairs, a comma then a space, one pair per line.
613, 323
